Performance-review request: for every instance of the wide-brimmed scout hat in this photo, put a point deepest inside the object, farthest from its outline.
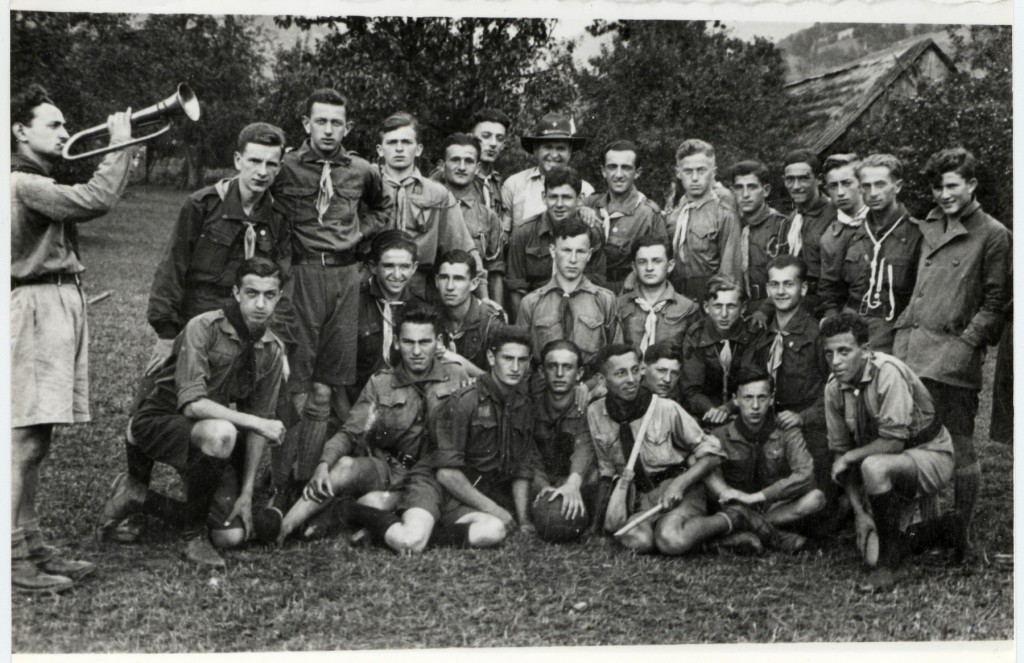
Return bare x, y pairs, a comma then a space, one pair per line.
553, 126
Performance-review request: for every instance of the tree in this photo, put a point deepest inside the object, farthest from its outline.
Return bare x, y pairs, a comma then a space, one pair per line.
439, 69
660, 82
972, 108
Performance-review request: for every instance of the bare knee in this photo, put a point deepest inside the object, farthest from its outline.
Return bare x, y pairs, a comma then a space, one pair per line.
486, 532
639, 539
406, 540
672, 541
343, 472
874, 470
227, 538
812, 502
30, 444
215, 437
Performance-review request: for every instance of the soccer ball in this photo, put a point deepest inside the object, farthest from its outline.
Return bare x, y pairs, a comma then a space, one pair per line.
552, 525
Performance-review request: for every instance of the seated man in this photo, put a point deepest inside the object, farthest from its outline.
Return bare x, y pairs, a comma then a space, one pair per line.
654, 311
466, 322
485, 454
373, 456
889, 446
713, 349
768, 468
674, 459
561, 433
223, 358
662, 369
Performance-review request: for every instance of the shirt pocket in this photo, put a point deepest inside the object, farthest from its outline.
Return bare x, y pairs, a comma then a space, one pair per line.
775, 462
703, 242
588, 332
856, 263
397, 412
300, 201
212, 251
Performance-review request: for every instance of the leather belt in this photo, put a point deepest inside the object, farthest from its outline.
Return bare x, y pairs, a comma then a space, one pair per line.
339, 259
46, 279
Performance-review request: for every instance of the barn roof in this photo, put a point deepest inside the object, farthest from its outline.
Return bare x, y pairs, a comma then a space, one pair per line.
829, 103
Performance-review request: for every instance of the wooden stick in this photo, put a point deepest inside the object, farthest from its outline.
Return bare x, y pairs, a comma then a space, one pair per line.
647, 515
100, 297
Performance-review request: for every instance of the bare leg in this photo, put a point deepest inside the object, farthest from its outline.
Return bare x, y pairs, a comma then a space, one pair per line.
412, 534
485, 530
796, 510
29, 447
676, 534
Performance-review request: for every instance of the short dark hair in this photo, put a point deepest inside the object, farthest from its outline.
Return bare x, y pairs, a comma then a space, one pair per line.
386, 240
621, 146
562, 344
461, 139
834, 161
650, 240
258, 266
506, 334
846, 322
723, 283
786, 260
803, 156
23, 104
952, 160
661, 350
325, 95
397, 121
561, 176
458, 257
888, 161
490, 115
693, 146
600, 360
419, 314
749, 167
748, 374
260, 133
571, 226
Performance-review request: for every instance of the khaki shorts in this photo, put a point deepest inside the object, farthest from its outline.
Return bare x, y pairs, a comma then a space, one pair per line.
693, 505
49, 355
934, 468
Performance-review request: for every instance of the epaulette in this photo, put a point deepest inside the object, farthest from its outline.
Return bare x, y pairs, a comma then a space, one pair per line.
206, 192
653, 206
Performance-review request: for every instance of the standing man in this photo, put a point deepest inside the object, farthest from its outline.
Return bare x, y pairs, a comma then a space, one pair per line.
485, 456
654, 311
49, 332
421, 207
874, 272
712, 352
704, 228
330, 198
218, 227
466, 323
374, 457
490, 126
889, 446
552, 143
812, 215
763, 231
529, 252
570, 306
957, 309
459, 173
209, 416
626, 214
843, 188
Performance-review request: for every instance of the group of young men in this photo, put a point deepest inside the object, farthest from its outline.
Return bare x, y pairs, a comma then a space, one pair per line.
716, 372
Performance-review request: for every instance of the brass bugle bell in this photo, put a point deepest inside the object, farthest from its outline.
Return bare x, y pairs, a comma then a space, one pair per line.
183, 101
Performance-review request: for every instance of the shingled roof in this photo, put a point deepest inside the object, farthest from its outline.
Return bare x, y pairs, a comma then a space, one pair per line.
829, 103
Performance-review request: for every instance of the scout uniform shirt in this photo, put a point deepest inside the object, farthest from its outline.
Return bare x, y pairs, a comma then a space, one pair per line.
212, 237
624, 222
484, 227
813, 222
673, 439
486, 430
779, 465
379, 320
711, 362
761, 239
795, 358
961, 295
585, 316
522, 197
642, 324
887, 400
706, 241
529, 263
563, 439
329, 219
389, 419
838, 234
470, 339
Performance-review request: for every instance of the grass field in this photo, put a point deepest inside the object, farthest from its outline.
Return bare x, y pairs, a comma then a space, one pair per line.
326, 595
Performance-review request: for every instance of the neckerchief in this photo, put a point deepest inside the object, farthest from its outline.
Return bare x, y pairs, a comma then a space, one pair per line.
326, 192
242, 380
624, 413
20, 164
758, 438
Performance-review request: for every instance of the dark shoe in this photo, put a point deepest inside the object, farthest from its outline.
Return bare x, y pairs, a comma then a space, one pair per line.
47, 560
741, 543
881, 579
199, 550
328, 523
126, 498
744, 519
27, 578
266, 524
129, 530
955, 536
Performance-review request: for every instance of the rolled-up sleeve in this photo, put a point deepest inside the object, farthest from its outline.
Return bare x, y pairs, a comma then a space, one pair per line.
80, 202
192, 371
694, 441
895, 403
839, 440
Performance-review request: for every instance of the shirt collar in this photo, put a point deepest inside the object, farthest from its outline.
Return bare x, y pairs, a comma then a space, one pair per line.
308, 153
760, 216
416, 176
585, 285
410, 289
534, 174
625, 207
797, 324
473, 316
403, 378
936, 214
225, 327
29, 164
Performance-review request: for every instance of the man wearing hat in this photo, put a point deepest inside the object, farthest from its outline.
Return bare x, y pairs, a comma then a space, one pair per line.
552, 143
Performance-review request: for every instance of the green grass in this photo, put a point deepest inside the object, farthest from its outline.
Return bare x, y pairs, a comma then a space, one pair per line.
326, 595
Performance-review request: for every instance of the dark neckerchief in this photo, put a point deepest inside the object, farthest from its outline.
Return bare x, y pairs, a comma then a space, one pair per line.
623, 413
758, 437
242, 381
21, 164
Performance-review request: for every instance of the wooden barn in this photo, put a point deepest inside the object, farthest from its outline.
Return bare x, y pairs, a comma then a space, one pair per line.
832, 103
